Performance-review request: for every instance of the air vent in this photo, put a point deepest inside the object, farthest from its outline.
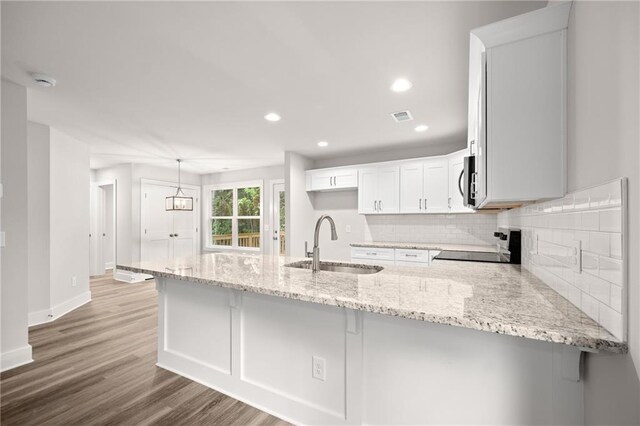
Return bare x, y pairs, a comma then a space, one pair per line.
401, 116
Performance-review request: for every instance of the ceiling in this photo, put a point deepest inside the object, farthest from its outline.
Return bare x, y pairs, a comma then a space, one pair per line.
148, 82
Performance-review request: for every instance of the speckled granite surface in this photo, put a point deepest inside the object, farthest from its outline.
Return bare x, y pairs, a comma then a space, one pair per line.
426, 246
497, 298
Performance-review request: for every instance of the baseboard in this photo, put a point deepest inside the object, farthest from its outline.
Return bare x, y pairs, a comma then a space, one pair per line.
40, 317
48, 315
15, 358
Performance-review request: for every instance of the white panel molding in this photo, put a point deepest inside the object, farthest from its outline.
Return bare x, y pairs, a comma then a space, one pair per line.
15, 358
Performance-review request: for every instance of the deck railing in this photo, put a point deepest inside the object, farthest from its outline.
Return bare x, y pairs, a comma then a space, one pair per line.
245, 240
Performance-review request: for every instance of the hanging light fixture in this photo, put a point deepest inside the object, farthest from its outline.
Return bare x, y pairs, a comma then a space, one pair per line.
179, 202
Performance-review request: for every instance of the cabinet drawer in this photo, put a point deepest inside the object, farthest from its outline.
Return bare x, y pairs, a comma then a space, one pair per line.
372, 253
406, 255
411, 264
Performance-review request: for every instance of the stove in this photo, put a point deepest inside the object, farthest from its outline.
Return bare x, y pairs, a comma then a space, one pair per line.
509, 244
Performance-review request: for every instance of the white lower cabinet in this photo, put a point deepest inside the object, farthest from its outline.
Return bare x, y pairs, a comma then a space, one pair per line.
390, 256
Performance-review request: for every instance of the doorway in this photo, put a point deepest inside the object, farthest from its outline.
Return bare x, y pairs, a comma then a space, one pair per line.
167, 234
278, 217
102, 234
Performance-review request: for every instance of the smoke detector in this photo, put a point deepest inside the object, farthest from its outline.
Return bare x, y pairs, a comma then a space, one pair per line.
43, 80
401, 116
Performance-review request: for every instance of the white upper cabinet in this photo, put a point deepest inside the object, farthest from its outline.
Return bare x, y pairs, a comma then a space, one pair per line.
339, 178
436, 185
517, 108
411, 187
379, 190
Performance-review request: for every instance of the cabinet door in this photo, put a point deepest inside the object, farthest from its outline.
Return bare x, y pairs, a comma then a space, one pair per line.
436, 185
456, 167
389, 189
345, 178
367, 191
321, 181
411, 180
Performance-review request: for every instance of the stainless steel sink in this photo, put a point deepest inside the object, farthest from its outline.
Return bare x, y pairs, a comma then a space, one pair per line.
349, 268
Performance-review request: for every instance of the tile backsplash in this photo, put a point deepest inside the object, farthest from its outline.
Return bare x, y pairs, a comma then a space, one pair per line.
455, 229
576, 245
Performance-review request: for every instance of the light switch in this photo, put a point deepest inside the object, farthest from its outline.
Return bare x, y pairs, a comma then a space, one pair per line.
347, 229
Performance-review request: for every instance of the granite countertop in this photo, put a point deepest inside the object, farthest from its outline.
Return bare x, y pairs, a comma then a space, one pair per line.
426, 246
498, 298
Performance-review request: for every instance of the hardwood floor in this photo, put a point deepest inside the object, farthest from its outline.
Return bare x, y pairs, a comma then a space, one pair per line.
96, 366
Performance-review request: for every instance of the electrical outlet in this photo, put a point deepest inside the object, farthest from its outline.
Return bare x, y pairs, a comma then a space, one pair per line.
318, 368
576, 256
347, 229
74, 282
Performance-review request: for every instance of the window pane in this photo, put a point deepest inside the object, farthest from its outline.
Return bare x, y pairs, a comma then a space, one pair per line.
249, 233
249, 201
222, 203
221, 232
282, 222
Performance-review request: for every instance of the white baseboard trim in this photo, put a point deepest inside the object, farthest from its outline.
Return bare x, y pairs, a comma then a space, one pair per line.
48, 315
15, 358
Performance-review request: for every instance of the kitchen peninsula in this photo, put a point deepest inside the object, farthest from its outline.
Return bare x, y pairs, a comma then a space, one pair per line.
340, 348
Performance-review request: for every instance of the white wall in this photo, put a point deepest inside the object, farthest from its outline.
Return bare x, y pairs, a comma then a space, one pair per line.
265, 174
121, 174
301, 216
603, 144
14, 347
38, 216
128, 178
69, 220
109, 226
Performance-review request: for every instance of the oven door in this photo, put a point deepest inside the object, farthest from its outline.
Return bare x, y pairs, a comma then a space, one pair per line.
467, 182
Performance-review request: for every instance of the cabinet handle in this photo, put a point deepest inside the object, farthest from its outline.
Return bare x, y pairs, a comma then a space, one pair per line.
425, 204
372, 254
420, 204
380, 204
334, 181
449, 202
170, 235
375, 206
410, 255
175, 235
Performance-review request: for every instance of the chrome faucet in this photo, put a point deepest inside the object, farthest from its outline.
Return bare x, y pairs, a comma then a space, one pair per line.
315, 263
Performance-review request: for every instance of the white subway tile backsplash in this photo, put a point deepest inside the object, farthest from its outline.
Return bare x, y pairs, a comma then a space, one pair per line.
599, 243
595, 218
611, 220
611, 270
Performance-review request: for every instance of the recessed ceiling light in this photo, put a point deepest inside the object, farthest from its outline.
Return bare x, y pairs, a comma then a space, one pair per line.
401, 85
323, 144
43, 80
421, 128
272, 116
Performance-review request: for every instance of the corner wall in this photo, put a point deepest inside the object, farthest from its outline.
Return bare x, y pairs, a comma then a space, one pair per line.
603, 144
69, 222
301, 217
14, 346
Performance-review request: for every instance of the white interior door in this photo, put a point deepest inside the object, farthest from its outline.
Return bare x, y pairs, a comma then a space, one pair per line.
108, 231
156, 241
436, 185
278, 219
185, 240
96, 263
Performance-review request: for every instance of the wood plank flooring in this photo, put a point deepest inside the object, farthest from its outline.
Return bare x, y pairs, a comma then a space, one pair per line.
96, 366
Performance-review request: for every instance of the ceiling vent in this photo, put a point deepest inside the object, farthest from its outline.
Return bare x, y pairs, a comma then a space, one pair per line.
401, 116
43, 80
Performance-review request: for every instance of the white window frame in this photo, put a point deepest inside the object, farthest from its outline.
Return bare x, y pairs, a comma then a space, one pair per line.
208, 216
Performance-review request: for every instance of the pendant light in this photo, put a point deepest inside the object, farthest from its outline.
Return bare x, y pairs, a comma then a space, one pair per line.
179, 202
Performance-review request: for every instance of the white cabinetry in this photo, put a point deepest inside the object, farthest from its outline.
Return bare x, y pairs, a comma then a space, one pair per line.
436, 185
390, 256
378, 190
517, 108
412, 187
338, 178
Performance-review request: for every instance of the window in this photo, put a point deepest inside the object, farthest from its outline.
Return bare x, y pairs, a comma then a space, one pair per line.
235, 215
